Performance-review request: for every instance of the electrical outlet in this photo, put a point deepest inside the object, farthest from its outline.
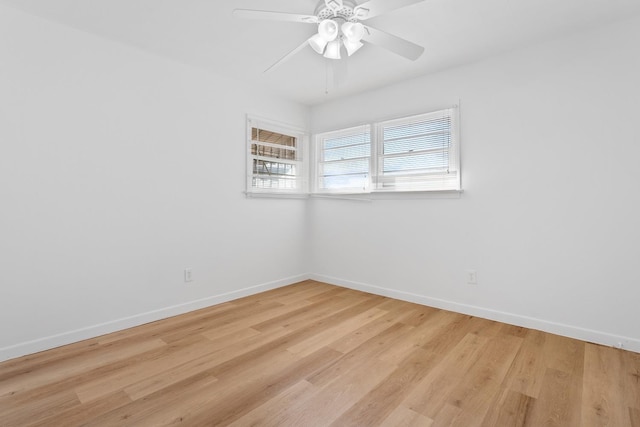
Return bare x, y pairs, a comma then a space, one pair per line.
188, 275
472, 277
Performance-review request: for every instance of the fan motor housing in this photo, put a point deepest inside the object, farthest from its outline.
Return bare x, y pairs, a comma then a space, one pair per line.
344, 13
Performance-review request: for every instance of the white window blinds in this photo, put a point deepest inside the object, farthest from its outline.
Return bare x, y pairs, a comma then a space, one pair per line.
344, 160
419, 153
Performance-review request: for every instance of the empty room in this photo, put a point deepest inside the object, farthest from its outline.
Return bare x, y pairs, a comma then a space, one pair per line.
319, 213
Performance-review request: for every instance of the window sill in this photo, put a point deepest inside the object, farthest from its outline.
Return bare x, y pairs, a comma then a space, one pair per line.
259, 195
391, 195
363, 197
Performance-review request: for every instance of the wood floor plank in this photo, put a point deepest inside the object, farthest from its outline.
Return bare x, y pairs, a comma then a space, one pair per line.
405, 417
420, 336
634, 417
335, 332
325, 404
511, 408
528, 368
317, 354
296, 292
183, 368
447, 415
420, 315
249, 319
37, 409
276, 407
74, 366
34, 362
562, 355
237, 402
554, 406
321, 292
432, 392
381, 401
175, 322
355, 339
450, 329
631, 379
202, 326
122, 378
42, 390
517, 331
310, 313
483, 380
367, 351
79, 414
139, 411
603, 384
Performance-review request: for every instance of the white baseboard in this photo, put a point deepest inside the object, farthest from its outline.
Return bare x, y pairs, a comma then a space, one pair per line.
583, 334
46, 343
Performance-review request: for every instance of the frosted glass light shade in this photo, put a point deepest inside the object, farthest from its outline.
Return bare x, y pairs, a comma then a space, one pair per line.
318, 43
328, 29
352, 46
333, 50
353, 31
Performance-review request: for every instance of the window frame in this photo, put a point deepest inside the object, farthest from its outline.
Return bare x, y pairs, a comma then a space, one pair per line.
301, 161
377, 156
451, 114
319, 160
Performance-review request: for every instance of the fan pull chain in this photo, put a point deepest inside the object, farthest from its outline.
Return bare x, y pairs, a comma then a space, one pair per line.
326, 77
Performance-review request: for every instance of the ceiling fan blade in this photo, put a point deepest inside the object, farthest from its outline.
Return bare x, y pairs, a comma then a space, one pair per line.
393, 43
287, 56
274, 16
373, 8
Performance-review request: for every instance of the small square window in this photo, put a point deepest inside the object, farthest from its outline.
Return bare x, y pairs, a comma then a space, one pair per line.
275, 158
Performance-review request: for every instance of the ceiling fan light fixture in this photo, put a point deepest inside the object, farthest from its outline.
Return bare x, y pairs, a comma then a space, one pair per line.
328, 30
353, 31
333, 50
352, 46
318, 43
337, 23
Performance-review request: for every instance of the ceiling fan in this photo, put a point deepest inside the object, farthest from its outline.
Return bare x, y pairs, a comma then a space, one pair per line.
339, 26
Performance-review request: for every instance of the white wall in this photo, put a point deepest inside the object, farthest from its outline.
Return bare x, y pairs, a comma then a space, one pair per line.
549, 214
118, 169
109, 178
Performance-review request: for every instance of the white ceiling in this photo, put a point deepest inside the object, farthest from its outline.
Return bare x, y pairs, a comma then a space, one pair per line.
203, 33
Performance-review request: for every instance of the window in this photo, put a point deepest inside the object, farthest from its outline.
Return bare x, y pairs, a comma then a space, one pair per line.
344, 160
417, 153
274, 158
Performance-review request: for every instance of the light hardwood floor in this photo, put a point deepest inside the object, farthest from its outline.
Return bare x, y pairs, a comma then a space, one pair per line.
313, 354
